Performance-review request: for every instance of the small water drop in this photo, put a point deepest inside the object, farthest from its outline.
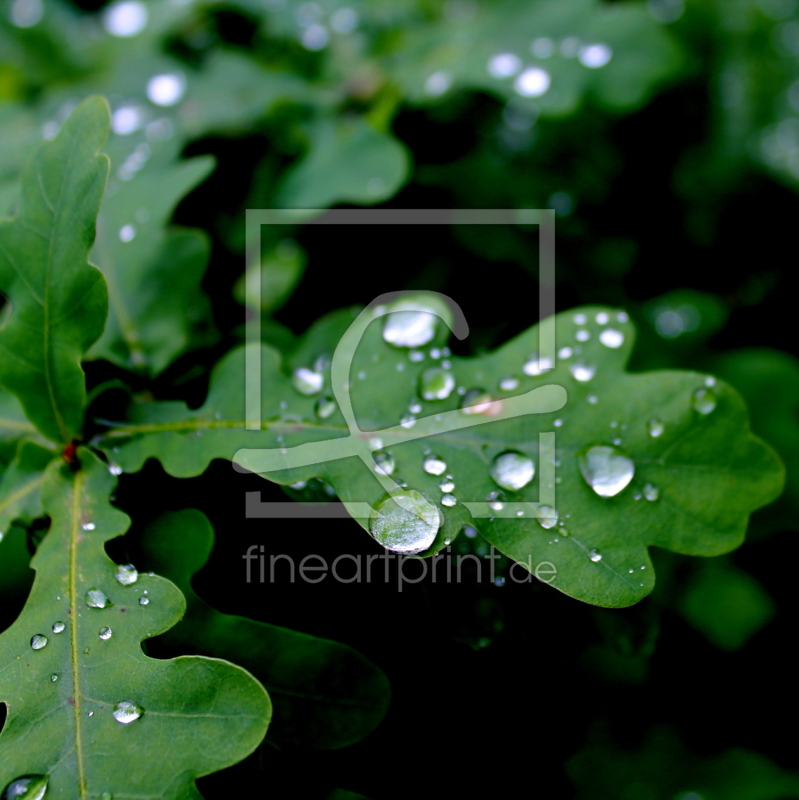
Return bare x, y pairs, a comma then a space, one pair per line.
59, 627
436, 383
622, 316
97, 599
655, 427
582, 335
565, 352
602, 318
477, 401
594, 555
126, 712
447, 485
405, 522
115, 469
407, 420
592, 399
582, 371
651, 492
126, 18
533, 82
415, 407
547, 517
144, 601
509, 383
127, 574
504, 65
88, 526
557, 423
434, 465
167, 89
495, 501
127, 233
512, 470
612, 338
27, 787
595, 56
409, 328
325, 407
54, 678
703, 400
39, 641
449, 500
579, 319
384, 463
607, 470
536, 365
106, 634
307, 382
416, 356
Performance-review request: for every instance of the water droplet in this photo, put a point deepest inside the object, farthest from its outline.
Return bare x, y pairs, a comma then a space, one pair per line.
127, 712
565, 352
547, 517
495, 501
127, 233
602, 318
447, 485
710, 381
449, 500
407, 420
582, 335
533, 82
307, 382
106, 634
622, 316
405, 522
655, 427
88, 526
28, 787
167, 89
115, 469
607, 470
325, 407
592, 399
651, 492
536, 365
54, 678
612, 338
557, 423
125, 19
469, 532
509, 383
477, 401
595, 56
504, 65
594, 555
415, 407
384, 463
97, 599
434, 465
416, 355
59, 627
582, 371
39, 641
436, 384
126, 120
409, 328
127, 574
703, 400
144, 601
512, 470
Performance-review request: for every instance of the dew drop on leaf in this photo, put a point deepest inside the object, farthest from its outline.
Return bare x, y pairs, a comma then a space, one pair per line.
477, 401
384, 463
607, 470
28, 787
612, 338
53, 678
58, 627
449, 500
405, 522
509, 383
307, 382
547, 517
434, 465
655, 427
594, 555
39, 641
144, 601
407, 420
97, 599
88, 526
447, 485
127, 712
436, 383
536, 365
409, 328
325, 407
582, 371
495, 501
703, 400
512, 470
651, 492
582, 335
602, 318
127, 574
106, 634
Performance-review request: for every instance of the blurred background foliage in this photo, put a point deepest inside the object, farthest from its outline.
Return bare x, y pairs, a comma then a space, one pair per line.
665, 134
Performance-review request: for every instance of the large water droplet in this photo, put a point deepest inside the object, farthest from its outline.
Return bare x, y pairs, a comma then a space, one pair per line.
612, 338
384, 463
651, 492
512, 470
434, 465
436, 384
409, 328
58, 627
307, 382
127, 712
582, 371
704, 400
28, 787
39, 641
127, 574
325, 407
106, 634
655, 427
547, 517
97, 599
405, 522
607, 470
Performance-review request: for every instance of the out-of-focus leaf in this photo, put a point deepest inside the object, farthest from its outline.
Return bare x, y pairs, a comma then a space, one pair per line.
325, 694
20, 484
108, 719
276, 275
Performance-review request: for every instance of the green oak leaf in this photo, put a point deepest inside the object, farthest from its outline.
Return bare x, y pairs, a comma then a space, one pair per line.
87, 710
153, 275
14, 425
59, 300
325, 694
349, 161
20, 485
694, 471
